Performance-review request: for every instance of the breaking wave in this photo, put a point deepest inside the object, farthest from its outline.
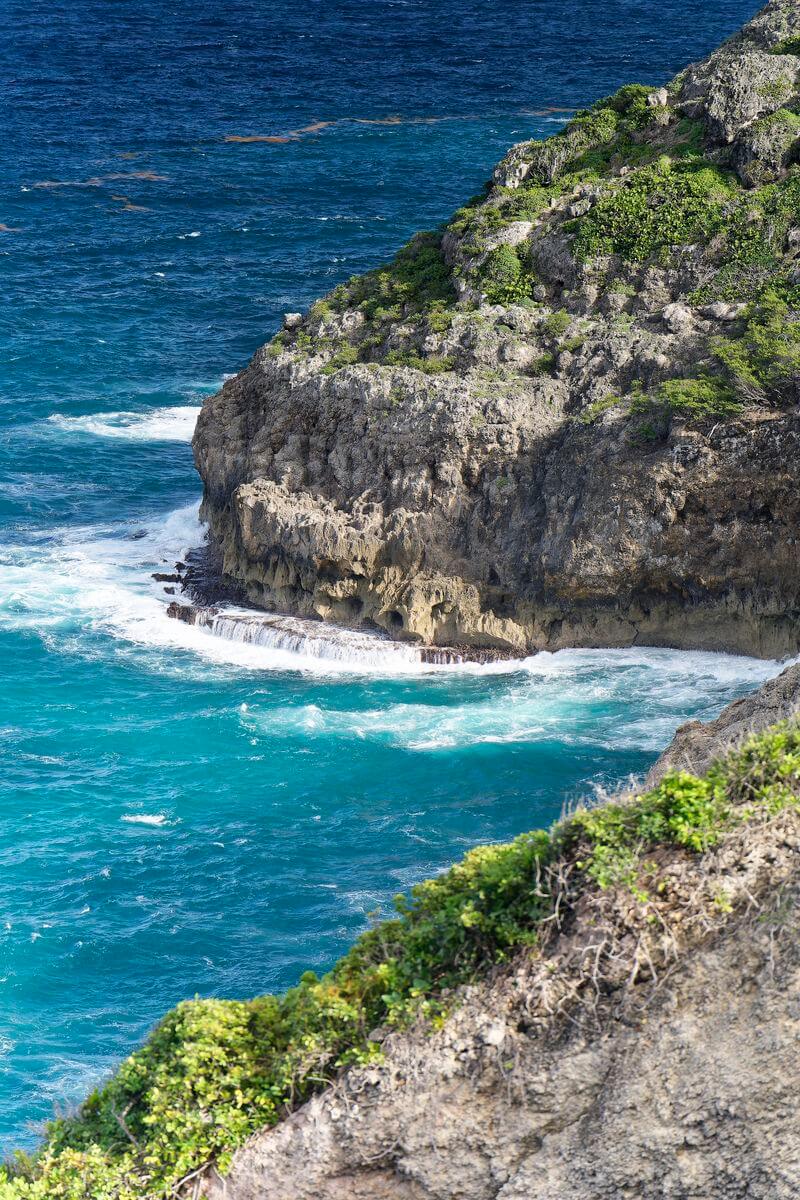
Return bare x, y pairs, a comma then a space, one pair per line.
98, 580
173, 423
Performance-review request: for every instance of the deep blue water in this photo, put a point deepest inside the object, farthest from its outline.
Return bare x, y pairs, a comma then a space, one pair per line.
179, 815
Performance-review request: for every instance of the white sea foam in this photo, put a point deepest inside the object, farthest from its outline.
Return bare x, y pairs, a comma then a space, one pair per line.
144, 818
89, 591
80, 582
174, 423
629, 700
317, 640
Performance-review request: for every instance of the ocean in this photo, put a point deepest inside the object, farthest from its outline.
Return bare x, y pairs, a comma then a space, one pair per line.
182, 815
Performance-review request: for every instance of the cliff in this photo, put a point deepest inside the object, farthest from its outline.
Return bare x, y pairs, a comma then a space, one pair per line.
569, 416
674, 1075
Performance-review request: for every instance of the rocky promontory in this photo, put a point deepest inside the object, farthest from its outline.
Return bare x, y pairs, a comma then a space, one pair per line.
569, 416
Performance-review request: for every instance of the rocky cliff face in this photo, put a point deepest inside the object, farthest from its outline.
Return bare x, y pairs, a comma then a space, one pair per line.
696, 744
700, 1107
568, 417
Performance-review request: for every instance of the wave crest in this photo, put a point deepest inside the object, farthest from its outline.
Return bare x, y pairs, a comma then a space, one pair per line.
173, 423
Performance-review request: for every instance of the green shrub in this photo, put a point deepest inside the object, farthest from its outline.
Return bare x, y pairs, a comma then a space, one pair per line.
346, 354
503, 277
277, 345
591, 140
764, 364
598, 407
753, 242
789, 46
654, 210
589, 130
439, 318
619, 287
631, 103
544, 364
703, 398
688, 138
557, 323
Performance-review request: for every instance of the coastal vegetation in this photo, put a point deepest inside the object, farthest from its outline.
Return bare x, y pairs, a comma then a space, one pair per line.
214, 1071
630, 186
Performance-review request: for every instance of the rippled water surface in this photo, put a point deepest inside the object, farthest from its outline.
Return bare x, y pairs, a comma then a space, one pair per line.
180, 814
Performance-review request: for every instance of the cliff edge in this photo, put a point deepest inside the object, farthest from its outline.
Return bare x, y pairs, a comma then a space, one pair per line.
681, 1087
567, 417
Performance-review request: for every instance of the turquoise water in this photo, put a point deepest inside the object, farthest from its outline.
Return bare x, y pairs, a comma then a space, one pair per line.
180, 815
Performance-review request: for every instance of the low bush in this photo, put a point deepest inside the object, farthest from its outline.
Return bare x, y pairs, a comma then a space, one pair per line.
655, 210
430, 365
557, 323
598, 407
346, 354
503, 276
706, 397
417, 280
789, 46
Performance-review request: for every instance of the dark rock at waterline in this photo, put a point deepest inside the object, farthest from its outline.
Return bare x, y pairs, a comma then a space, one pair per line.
137, 534
165, 577
204, 581
187, 613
